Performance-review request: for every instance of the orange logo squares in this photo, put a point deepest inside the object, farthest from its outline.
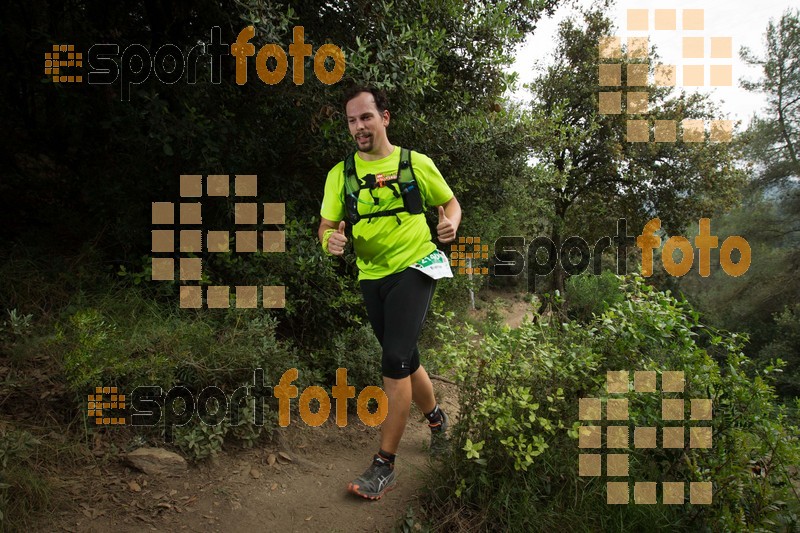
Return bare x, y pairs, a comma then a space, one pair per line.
638, 131
63, 55
245, 185
721, 48
191, 240
672, 381
274, 297
637, 103
617, 437
721, 75
700, 493
191, 297
610, 74
162, 240
666, 19
617, 464
191, 213
246, 241
666, 75
643, 380
96, 406
245, 213
163, 213
638, 47
274, 214
246, 297
671, 409
218, 185
217, 241
617, 409
617, 493
692, 130
672, 437
693, 19
610, 47
610, 103
191, 268
274, 241
218, 297
721, 130
589, 436
589, 409
637, 19
163, 268
693, 47
665, 131
644, 437
589, 464
637, 74
191, 185
644, 492
693, 76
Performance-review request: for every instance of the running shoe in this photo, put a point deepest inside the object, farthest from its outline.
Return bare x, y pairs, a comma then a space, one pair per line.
377, 480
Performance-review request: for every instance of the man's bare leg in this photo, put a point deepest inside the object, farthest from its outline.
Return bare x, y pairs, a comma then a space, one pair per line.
422, 390
398, 392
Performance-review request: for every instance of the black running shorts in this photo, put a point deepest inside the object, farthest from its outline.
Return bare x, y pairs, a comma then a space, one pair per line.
396, 306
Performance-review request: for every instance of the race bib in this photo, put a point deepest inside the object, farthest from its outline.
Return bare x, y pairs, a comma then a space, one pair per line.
436, 265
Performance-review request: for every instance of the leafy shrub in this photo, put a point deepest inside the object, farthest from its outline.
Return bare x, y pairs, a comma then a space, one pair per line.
589, 295
514, 463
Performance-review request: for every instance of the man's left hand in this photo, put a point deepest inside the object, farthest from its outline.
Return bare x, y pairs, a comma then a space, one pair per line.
445, 230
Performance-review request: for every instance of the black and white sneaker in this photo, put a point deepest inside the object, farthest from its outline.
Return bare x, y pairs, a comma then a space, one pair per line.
377, 480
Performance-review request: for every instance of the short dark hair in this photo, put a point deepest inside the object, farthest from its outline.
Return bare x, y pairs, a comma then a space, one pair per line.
381, 101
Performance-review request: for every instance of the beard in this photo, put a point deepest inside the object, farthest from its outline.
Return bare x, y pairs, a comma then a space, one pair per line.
366, 144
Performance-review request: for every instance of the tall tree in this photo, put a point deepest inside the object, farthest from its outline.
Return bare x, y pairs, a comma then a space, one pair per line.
599, 175
762, 303
774, 138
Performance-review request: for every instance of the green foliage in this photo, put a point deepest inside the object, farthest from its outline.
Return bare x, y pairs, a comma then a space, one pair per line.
589, 295
785, 347
774, 138
198, 440
751, 302
595, 175
22, 489
358, 351
514, 458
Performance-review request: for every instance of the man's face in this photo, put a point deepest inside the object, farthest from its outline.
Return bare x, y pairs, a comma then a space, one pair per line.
367, 125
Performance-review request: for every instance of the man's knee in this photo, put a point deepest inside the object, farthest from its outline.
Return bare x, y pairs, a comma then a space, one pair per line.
396, 365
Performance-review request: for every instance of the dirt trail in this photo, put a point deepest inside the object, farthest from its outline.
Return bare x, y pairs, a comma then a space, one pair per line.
240, 492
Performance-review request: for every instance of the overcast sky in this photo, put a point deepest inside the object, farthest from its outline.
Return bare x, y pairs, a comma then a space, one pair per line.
743, 20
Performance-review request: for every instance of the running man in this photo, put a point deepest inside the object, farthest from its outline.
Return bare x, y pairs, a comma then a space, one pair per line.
381, 191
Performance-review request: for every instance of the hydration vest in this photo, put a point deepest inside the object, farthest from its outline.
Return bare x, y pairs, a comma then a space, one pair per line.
404, 185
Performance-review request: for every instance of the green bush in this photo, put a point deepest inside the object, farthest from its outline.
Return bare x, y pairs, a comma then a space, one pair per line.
514, 463
589, 295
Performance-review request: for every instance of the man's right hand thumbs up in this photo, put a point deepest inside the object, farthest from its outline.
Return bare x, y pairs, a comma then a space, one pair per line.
337, 240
